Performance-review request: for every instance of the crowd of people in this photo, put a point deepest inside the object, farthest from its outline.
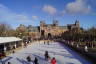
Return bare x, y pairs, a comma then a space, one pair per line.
46, 55
35, 61
47, 58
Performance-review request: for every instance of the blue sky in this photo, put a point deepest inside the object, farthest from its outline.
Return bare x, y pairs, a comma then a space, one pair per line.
31, 12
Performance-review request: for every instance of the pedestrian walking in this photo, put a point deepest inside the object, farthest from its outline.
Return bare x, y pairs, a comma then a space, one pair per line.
53, 61
35, 61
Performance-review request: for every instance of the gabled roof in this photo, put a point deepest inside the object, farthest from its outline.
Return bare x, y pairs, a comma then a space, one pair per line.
9, 39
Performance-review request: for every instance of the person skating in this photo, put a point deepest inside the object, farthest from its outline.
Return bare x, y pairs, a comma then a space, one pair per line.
9, 62
35, 61
28, 59
46, 55
53, 61
44, 42
48, 42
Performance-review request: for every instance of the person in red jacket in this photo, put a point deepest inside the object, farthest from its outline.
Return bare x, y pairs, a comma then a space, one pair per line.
53, 61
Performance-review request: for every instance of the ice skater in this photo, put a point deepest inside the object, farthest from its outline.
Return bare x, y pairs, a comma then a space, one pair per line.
47, 57
53, 61
29, 59
44, 42
35, 61
48, 42
9, 62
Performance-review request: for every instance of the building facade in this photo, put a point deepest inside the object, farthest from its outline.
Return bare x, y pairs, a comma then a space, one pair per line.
47, 30
76, 25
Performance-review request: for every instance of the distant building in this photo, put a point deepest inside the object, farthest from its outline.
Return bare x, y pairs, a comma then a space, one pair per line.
22, 28
47, 30
31, 28
33, 31
51, 29
74, 26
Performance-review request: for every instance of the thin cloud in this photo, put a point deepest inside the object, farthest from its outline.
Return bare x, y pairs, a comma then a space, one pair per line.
7, 15
49, 9
77, 7
34, 17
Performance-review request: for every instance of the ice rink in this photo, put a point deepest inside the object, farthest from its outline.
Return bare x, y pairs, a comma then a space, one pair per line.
62, 54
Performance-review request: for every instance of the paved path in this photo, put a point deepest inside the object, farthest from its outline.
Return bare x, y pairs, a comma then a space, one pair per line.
62, 54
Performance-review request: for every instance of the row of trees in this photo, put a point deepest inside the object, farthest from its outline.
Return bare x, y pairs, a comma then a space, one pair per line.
7, 30
80, 34
74, 34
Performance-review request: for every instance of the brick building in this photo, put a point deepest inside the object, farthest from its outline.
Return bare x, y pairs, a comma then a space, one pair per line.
54, 29
47, 30
74, 26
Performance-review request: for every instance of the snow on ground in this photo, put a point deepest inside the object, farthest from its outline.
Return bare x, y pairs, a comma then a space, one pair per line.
62, 54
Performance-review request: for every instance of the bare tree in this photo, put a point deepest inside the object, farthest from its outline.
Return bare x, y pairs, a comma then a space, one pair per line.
5, 29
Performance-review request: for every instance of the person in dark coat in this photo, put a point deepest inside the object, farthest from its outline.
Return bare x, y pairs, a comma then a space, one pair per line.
46, 55
28, 59
48, 42
44, 42
36, 61
9, 62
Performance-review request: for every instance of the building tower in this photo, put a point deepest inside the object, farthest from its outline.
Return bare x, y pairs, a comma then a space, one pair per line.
77, 24
55, 23
42, 32
42, 23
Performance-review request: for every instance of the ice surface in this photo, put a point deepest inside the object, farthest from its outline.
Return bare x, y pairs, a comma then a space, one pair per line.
62, 54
